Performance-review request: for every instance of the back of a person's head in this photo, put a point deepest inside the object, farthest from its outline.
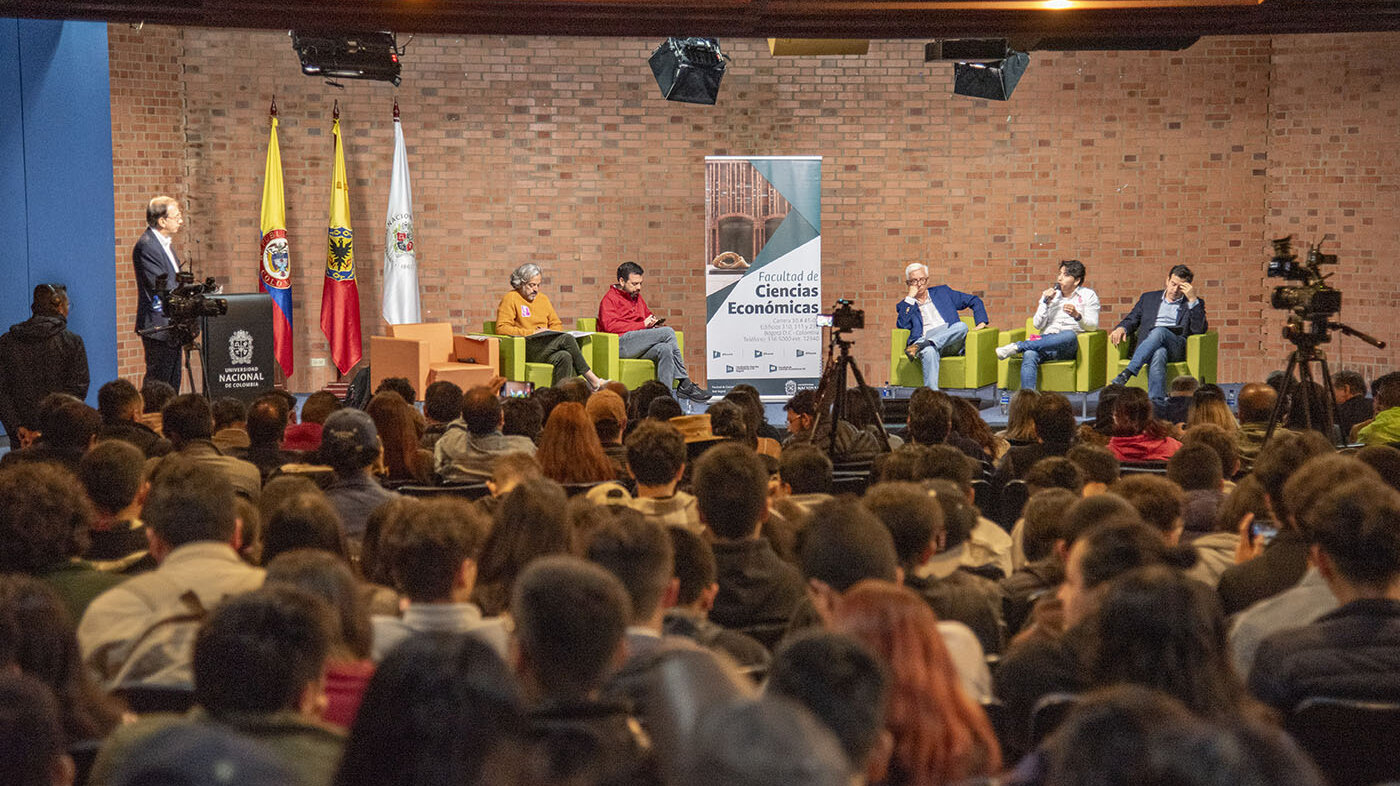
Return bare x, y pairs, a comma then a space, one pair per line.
573, 390
70, 426
522, 417
1098, 464
959, 515
258, 652
729, 421
641, 397
901, 464
655, 453
608, 412
511, 469
913, 518
44, 517
1385, 460
1019, 425
1158, 500
569, 617
760, 742
187, 417
1387, 388
1357, 528
840, 681
1351, 381
31, 734
1218, 439
319, 406
945, 462
1184, 384
228, 411
1091, 512
266, 423
806, 469
434, 712
430, 545
111, 473
845, 543
330, 578
189, 502
803, 402
1055, 472
1256, 402
1195, 468
694, 565
442, 401
1111, 550
930, 417
116, 400
1128, 735
1044, 515
305, 521
399, 385
1158, 628
1317, 478
731, 490
1279, 458
1053, 417
1133, 413
663, 408
639, 554
531, 522
155, 394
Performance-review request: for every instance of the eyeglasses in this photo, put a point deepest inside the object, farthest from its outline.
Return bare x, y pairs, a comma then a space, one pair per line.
923, 280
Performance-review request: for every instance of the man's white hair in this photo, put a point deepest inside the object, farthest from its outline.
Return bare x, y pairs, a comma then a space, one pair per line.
914, 266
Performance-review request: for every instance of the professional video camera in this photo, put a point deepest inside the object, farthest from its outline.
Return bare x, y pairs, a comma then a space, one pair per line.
1313, 298
189, 301
843, 318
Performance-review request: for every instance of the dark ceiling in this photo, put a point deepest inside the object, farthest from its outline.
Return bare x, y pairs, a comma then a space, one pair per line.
740, 18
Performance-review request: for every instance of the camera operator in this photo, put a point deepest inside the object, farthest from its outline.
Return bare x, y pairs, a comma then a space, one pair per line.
151, 258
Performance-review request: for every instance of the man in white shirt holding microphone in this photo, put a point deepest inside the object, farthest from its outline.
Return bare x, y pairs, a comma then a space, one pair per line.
1065, 310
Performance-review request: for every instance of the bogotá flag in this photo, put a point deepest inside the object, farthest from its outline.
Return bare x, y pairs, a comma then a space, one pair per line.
401, 304
275, 277
340, 297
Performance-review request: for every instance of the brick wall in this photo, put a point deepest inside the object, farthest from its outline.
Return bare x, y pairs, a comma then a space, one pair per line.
561, 152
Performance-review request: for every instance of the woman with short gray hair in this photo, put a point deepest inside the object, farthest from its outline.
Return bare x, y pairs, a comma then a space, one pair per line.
524, 311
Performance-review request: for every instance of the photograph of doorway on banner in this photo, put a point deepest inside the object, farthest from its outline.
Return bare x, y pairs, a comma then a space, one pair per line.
763, 272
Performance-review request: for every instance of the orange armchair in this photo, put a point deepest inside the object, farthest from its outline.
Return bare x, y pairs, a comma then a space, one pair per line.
426, 352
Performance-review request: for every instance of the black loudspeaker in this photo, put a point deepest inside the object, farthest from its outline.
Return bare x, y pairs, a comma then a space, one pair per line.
688, 69
993, 80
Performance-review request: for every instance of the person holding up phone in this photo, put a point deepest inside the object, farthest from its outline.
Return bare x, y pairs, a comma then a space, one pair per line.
624, 312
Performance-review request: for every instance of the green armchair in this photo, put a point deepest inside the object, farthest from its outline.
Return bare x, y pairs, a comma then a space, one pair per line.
514, 366
607, 363
1084, 374
1202, 358
975, 368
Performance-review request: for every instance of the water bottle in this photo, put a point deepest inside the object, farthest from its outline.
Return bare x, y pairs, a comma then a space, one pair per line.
1006, 401
1230, 399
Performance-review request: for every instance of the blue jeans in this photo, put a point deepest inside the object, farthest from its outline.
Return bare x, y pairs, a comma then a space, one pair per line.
658, 345
1056, 346
1158, 348
938, 343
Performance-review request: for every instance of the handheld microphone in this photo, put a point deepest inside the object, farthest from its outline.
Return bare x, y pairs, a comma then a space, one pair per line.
1049, 298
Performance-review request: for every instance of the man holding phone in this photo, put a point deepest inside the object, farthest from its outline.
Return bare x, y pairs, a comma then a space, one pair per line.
930, 314
624, 312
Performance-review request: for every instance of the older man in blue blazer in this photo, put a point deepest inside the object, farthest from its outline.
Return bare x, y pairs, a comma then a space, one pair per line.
930, 314
1160, 322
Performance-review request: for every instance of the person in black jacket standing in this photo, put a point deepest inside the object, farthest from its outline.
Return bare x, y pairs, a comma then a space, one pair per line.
151, 258
1160, 322
39, 356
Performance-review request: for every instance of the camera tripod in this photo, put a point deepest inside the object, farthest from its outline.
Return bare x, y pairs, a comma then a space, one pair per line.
1304, 355
189, 345
831, 392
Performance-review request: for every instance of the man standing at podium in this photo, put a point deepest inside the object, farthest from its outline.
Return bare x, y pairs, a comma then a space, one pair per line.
151, 258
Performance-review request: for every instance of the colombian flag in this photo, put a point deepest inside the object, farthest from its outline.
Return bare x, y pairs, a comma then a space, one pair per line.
340, 297
275, 278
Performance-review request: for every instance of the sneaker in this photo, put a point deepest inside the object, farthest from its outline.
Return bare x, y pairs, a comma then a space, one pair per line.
1005, 351
1121, 379
692, 391
602, 383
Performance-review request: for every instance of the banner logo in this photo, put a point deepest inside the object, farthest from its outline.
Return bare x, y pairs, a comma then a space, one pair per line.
340, 254
240, 347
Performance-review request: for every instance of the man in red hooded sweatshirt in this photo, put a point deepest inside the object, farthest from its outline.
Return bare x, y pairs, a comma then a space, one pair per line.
622, 311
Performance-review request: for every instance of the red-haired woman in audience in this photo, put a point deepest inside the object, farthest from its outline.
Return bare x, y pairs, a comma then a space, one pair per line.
1137, 434
399, 433
939, 734
569, 450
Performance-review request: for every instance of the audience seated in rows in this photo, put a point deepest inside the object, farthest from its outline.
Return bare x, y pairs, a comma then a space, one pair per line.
442, 404
305, 435
350, 446
569, 450
696, 588
396, 423
656, 460
1053, 418
188, 422
120, 406
468, 446
1137, 434
851, 445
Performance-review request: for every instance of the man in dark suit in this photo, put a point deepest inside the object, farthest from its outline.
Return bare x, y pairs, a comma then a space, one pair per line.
1160, 323
151, 258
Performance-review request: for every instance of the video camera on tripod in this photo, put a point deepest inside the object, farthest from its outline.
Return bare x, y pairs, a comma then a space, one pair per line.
844, 318
1311, 299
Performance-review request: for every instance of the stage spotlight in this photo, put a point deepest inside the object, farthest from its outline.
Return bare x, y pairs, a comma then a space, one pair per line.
348, 55
689, 69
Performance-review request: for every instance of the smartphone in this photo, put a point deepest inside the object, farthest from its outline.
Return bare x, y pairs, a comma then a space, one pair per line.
1263, 530
659, 322
824, 320
517, 389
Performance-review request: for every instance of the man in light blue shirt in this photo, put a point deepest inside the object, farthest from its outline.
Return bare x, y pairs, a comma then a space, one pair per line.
1160, 322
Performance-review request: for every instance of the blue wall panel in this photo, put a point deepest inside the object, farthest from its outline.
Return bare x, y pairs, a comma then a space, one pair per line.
65, 144
14, 258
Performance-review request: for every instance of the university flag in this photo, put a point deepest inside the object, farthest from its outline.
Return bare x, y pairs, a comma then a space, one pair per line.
275, 277
340, 296
401, 304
